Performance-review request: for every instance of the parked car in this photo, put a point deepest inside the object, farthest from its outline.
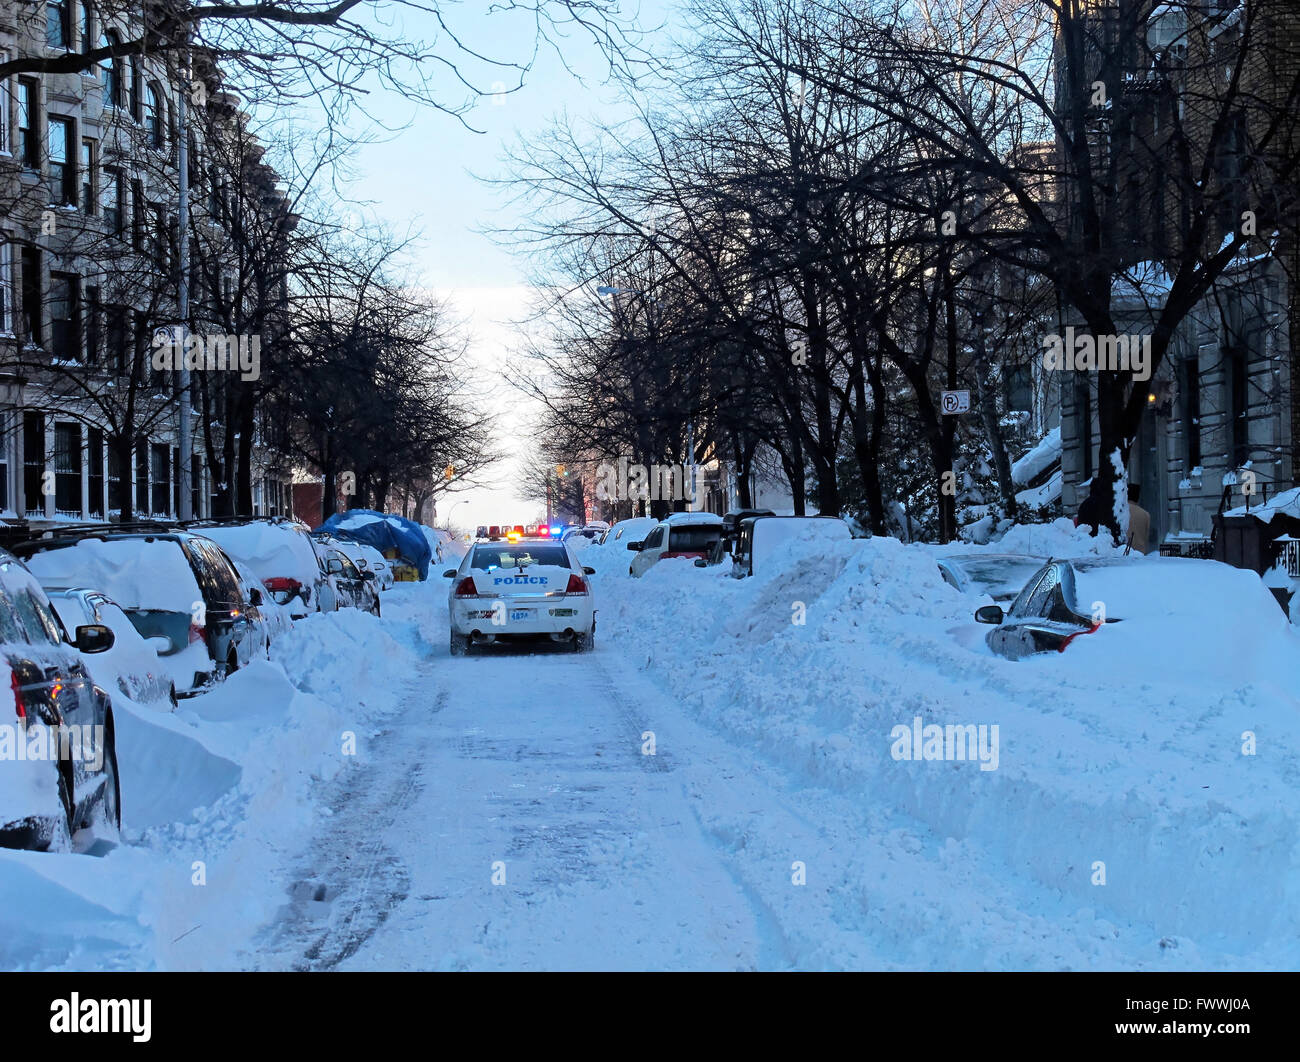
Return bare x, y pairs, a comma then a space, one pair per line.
269, 619
625, 531
999, 575
175, 585
688, 535
279, 552
44, 799
532, 590
760, 536
132, 664
365, 557
346, 586
1047, 614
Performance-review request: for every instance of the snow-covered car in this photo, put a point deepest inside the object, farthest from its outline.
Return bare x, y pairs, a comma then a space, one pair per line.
625, 531
131, 664
1145, 608
365, 557
268, 619
345, 585
533, 590
279, 553
684, 535
760, 537
66, 778
175, 585
999, 575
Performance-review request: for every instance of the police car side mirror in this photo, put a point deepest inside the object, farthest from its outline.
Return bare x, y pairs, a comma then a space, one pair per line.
989, 614
588, 571
635, 547
450, 573
700, 562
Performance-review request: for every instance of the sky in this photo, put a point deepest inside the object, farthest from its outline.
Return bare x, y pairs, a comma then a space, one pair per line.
426, 177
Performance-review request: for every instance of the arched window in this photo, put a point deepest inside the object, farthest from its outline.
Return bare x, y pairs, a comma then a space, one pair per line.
154, 125
58, 24
134, 87
112, 72
86, 26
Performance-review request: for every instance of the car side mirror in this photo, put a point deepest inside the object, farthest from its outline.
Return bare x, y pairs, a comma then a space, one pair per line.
450, 573
989, 614
334, 567
700, 562
635, 547
367, 575
588, 571
93, 638
255, 596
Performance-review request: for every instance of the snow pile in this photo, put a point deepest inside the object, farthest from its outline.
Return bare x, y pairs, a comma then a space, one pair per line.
215, 796
1038, 460
1129, 755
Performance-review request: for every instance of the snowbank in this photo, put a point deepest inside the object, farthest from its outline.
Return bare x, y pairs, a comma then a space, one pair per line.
1129, 756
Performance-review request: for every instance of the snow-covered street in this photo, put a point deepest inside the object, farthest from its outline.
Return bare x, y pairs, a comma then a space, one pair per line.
711, 788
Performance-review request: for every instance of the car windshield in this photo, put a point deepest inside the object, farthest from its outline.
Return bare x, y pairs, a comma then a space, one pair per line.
486, 558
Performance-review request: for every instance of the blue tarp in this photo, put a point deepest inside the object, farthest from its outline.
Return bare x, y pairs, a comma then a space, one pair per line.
384, 532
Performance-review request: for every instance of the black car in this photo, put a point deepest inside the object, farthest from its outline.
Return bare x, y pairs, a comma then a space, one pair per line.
63, 721
188, 569
1046, 615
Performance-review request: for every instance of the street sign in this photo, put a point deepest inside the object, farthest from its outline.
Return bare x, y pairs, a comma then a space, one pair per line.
955, 402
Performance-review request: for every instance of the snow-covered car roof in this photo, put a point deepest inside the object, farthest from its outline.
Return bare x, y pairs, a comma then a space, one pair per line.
677, 519
271, 550
149, 572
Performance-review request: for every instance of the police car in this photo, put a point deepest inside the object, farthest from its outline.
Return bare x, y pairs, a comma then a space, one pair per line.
530, 590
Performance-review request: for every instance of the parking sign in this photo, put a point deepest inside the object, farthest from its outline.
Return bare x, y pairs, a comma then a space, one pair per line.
956, 402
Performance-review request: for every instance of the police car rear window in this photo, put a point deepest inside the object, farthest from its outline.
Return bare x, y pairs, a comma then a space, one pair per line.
487, 558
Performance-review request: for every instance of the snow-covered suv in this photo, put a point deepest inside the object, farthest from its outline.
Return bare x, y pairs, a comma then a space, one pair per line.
680, 535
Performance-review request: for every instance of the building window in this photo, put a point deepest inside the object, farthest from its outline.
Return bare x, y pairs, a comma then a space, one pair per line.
5, 93
65, 317
87, 25
92, 313
29, 122
63, 173
1189, 387
89, 158
135, 86
6, 291
67, 468
6, 502
153, 117
196, 485
138, 221
58, 26
95, 459
116, 339
29, 325
34, 462
116, 486
111, 201
160, 237
142, 478
111, 72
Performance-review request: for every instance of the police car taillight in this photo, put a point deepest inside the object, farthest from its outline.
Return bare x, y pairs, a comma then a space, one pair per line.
466, 588
576, 585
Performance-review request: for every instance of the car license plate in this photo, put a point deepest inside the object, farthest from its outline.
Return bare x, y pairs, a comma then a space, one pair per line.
521, 613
